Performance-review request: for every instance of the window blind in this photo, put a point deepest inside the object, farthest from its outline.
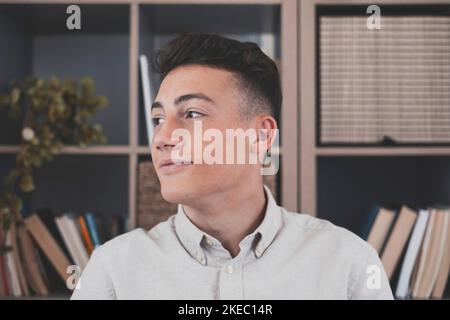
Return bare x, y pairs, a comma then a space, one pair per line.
393, 82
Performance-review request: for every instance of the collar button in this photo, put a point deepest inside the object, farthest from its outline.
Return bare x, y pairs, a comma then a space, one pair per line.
259, 250
200, 258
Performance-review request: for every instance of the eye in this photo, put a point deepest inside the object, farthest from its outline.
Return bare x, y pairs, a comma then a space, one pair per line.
193, 114
157, 120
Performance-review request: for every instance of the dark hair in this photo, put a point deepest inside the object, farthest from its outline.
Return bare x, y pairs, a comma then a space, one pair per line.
256, 73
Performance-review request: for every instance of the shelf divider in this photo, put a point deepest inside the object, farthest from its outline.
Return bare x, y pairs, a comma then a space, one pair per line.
133, 113
382, 151
93, 150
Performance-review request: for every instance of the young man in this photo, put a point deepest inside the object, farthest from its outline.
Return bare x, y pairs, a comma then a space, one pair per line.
229, 238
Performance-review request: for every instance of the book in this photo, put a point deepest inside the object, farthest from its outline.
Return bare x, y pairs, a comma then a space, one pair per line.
147, 93
419, 266
85, 235
431, 255
19, 261
48, 218
444, 268
2, 281
31, 262
398, 239
16, 290
48, 245
412, 253
4, 271
114, 227
34, 265
71, 222
381, 226
68, 240
100, 223
54, 283
93, 230
370, 221
126, 223
72, 239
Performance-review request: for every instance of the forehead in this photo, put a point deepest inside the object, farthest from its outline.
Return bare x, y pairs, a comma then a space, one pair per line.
196, 78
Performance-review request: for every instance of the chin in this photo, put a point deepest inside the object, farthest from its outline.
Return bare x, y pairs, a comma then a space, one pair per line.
172, 195
196, 183
177, 191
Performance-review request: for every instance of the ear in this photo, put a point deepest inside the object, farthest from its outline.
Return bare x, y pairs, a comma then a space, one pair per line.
266, 128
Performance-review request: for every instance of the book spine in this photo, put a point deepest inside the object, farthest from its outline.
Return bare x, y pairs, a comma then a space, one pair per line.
78, 242
92, 226
12, 268
146, 89
19, 261
85, 235
63, 229
3, 271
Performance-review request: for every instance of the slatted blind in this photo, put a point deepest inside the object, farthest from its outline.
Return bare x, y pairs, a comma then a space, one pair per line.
393, 82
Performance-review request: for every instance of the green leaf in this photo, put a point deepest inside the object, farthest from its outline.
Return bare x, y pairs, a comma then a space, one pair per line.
15, 95
5, 99
27, 183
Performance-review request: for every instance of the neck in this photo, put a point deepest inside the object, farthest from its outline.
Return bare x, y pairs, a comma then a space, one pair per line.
230, 215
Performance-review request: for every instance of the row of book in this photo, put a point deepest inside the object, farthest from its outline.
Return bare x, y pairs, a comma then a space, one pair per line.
414, 246
42, 247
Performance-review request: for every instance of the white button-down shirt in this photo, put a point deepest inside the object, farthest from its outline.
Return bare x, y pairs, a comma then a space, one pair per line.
288, 256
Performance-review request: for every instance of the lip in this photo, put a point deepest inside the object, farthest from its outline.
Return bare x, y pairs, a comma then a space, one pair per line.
168, 166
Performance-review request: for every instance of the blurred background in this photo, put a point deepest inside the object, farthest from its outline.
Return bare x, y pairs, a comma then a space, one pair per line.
364, 126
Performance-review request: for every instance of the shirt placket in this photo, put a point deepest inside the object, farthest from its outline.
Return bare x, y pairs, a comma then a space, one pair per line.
230, 278
230, 281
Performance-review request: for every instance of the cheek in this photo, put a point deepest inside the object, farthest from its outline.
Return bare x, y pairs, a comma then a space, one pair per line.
209, 176
216, 175
198, 179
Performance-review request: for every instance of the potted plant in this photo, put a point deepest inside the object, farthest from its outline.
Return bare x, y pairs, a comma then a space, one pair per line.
55, 113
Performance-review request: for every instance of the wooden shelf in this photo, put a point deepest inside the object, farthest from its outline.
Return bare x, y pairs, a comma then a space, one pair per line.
342, 183
142, 150
382, 151
94, 150
106, 2
325, 161
50, 297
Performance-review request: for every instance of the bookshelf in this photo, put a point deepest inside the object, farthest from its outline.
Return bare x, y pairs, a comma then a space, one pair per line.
311, 152
104, 178
341, 182
338, 183
107, 47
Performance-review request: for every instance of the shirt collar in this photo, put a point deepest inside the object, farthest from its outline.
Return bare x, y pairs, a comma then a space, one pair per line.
192, 238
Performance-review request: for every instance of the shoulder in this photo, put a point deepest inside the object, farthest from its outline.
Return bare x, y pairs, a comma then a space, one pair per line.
325, 233
348, 255
135, 240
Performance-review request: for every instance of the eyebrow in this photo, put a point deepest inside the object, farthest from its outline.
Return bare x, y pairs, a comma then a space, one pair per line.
183, 98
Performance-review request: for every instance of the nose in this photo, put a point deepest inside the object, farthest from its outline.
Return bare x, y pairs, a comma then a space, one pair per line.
163, 137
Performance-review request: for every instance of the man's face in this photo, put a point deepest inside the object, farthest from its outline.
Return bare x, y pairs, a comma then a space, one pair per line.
189, 94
